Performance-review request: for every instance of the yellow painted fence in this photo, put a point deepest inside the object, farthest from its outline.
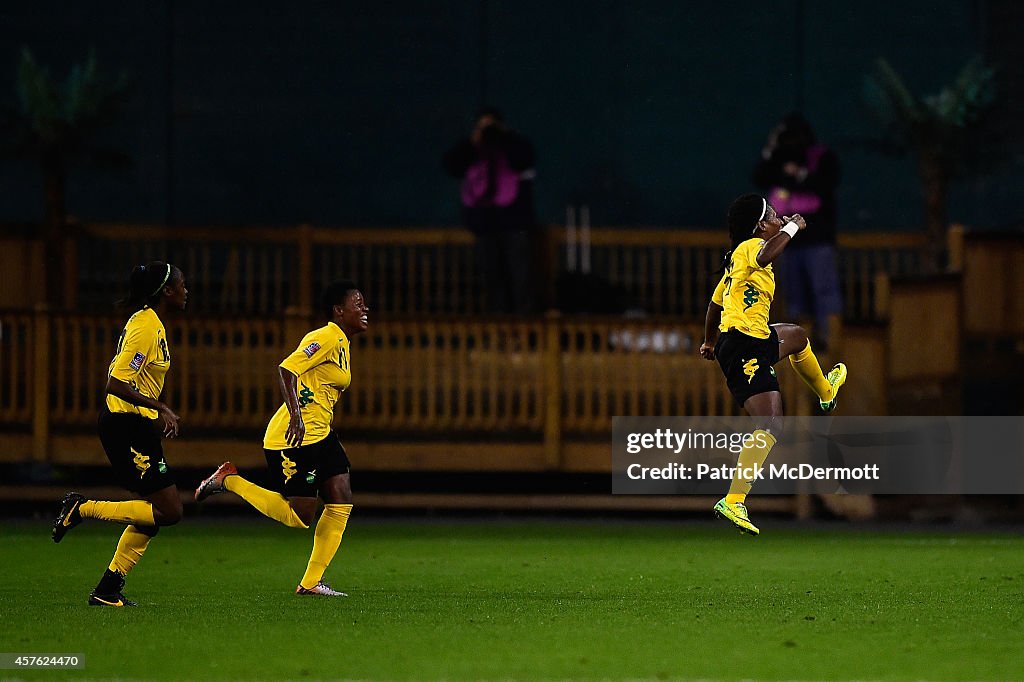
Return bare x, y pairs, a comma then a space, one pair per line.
546, 380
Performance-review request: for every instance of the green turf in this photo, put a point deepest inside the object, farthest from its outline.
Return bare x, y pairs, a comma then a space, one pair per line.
525, 600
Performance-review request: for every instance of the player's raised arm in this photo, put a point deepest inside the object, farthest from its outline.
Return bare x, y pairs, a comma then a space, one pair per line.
777, 243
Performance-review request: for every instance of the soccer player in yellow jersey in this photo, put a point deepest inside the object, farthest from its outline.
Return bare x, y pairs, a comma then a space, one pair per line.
748, 346
130, 423
304, 456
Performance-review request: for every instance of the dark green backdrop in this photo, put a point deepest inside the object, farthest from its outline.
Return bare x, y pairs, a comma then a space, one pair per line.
337, 113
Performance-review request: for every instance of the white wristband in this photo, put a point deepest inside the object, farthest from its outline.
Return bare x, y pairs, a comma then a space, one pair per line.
791, 229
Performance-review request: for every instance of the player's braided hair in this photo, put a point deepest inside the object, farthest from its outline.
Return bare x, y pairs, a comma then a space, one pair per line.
146, 283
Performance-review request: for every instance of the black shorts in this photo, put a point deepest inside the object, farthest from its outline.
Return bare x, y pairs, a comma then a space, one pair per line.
133, 446
298, 472
747, 363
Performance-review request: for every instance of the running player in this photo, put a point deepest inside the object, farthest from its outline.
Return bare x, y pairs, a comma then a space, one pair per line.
130, 424
304, 456
748, 346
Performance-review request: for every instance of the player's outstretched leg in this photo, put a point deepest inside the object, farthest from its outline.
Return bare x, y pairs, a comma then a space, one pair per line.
805, 364
269, 503
75, 507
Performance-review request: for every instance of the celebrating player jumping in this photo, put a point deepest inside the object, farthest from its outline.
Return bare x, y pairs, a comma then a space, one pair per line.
748, 346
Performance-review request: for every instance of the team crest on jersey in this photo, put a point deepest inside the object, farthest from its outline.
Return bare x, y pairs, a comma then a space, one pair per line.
311, 349
137, 361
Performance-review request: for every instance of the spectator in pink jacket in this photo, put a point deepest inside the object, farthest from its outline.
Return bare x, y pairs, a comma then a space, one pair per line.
800, 175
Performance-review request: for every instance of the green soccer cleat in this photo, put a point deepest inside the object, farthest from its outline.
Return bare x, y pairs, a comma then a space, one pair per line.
836, 377
736, 514
68, 517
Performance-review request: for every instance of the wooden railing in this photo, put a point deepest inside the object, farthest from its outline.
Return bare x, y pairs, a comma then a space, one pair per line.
546, 379
865, 257
674, 271
267, 271
19, 334
433, 271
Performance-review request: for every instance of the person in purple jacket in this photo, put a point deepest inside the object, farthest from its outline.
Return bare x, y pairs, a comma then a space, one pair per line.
496, 167
800, 175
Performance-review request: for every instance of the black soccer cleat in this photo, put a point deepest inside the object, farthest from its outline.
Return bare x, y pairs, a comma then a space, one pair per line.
69, 517
108, 591
116, 599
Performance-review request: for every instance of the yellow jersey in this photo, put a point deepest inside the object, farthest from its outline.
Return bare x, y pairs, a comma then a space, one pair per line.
746, 291
321, 364
141, 361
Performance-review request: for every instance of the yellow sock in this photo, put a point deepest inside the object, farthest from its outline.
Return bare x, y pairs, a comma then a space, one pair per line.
270, 504
138, 512
130, 549
806, 365
326, 540
751, 456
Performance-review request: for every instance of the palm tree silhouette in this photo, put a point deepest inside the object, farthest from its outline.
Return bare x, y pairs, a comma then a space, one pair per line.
948, 133
54, 125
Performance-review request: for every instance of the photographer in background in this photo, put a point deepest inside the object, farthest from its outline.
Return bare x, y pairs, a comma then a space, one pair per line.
800, 175
495, 164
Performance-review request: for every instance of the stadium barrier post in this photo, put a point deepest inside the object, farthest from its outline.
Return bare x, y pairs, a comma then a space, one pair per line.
955, 246
553, 390
305, 267
70, 294
40, 383
835, 335
570, 238
882, 295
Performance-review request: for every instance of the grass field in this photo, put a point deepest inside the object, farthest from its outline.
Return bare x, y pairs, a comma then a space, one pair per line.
524, 600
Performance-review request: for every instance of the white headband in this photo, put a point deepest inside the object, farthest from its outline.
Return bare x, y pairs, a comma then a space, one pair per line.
764, 209
163, 283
